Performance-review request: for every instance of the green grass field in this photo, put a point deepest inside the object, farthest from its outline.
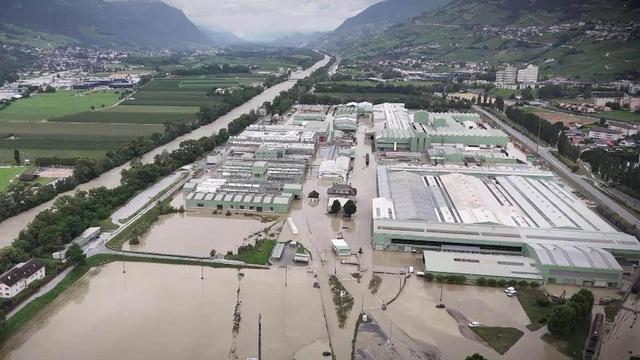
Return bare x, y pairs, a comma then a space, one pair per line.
537, 314
66, 139
139, 114
9, 173
60, 103
501, 339
619, 115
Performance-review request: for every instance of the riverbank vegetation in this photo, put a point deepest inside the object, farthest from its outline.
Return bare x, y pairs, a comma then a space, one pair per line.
71, 215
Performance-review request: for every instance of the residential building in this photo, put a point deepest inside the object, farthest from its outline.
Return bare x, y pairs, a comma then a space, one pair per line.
20, 277
528, 75
342, 191
627, 129
508, 76
600, 133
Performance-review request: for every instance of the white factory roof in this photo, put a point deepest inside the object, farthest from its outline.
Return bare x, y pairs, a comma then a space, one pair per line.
340, 244
517, 201
575, 256
481, 265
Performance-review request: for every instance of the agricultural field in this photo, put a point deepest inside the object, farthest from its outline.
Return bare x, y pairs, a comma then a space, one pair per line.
619, 115
137, 114
189, 90
46, 139
48, 105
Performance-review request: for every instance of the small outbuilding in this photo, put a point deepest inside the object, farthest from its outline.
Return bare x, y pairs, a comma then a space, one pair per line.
340, 247
313, 196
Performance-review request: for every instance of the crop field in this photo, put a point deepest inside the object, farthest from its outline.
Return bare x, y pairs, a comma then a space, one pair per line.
66, 139
138, 114
44, 106
62, 124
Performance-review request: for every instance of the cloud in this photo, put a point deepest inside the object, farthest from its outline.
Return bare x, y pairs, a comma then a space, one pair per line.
267, 19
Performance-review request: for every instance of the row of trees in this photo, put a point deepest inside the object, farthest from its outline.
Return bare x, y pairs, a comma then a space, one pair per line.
19, 197
212, 69
534, 124
620, 167
71, 215
381, 88
567, 149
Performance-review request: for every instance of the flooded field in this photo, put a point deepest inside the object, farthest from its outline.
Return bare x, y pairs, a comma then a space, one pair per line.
490, 307
167, 312
196, 234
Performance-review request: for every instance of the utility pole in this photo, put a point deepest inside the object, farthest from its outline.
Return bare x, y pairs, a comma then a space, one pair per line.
286, 275
259, 336
124, 268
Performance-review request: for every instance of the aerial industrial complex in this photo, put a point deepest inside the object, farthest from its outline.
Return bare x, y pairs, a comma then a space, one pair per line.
526, 216
503, 220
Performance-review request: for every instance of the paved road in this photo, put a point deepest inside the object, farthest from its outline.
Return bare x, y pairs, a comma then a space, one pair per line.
565, 172
43, 290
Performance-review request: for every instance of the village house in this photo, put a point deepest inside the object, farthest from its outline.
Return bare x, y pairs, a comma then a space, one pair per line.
20, 276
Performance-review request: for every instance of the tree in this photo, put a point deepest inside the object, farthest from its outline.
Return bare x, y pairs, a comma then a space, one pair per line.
499, 103
527, 93
335, 207
75, 255
476, 356
349, 207
213, 253
16, 156
561, 319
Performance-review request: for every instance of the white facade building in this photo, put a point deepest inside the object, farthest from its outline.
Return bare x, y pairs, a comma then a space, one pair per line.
605, 134
20, 276
506, 76
528, 75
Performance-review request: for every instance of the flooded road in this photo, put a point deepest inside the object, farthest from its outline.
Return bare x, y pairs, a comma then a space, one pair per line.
10, 228
167, 312
196, 235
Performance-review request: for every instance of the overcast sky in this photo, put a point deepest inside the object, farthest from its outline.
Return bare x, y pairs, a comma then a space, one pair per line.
267, 19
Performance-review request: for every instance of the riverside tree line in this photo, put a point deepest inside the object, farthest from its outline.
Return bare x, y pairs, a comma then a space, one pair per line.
19, 197
71, 215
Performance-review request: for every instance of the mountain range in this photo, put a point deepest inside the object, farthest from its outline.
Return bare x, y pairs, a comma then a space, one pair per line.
590, 39
375, 20
140, 24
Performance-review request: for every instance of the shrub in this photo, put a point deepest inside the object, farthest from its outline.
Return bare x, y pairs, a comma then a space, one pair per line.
523, 284
513, 283
481, 281
492, 282
502, 283
534, 284
429, 277
441, 278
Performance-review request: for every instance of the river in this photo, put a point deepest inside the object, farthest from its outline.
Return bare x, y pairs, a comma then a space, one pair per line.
10, 228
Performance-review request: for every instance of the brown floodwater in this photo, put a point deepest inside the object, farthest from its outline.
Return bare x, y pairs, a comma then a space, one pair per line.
194, 234
167, 312
490, 307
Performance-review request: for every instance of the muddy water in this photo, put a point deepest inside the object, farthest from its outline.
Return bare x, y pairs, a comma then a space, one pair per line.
10, 228
195, 235
166, 312
488, 306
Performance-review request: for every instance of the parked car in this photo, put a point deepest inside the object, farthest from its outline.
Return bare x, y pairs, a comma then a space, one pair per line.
509, 289
474, 324
512, 293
